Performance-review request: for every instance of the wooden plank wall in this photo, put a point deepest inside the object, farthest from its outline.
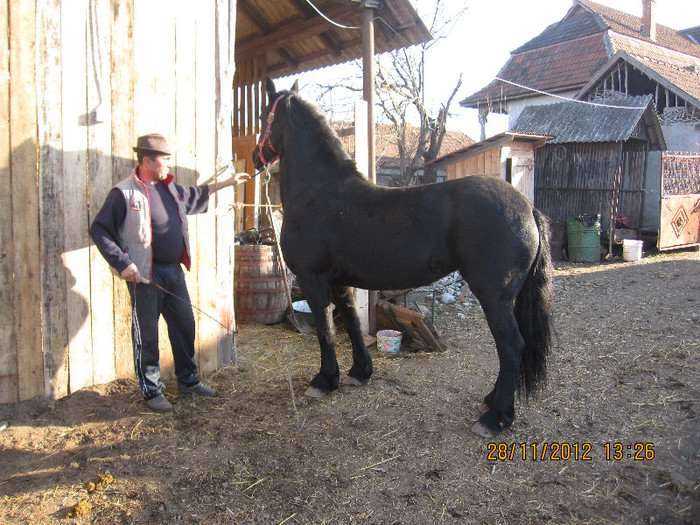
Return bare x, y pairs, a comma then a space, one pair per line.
571, 179
486, 163
249, 99
226, 218
80, 81
8, 357
25, 260
249, 95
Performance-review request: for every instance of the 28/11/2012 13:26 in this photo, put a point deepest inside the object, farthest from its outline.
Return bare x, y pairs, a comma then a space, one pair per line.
564, 451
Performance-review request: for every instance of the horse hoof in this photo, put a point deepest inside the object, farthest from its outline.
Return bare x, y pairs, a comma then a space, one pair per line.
482, 408
352, 381
314, 393
480, 430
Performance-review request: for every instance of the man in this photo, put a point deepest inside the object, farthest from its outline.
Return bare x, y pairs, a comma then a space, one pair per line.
141, 231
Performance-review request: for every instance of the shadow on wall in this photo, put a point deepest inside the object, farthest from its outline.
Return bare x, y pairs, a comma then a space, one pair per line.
54, 277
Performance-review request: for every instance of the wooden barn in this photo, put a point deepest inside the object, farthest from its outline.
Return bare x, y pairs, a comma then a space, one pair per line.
508, 155
596, 162
81, 80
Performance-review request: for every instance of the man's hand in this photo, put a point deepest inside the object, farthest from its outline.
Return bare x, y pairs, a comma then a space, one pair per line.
131, 273
240, 177
236, 178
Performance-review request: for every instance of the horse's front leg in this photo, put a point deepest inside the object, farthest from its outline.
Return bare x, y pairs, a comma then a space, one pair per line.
319, 299
361, 369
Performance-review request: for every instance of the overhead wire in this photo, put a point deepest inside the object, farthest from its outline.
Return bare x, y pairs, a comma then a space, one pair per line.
545, 93
331, 21
328, 19
566, 98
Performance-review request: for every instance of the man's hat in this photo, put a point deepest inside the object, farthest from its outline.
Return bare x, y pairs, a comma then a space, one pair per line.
153, 143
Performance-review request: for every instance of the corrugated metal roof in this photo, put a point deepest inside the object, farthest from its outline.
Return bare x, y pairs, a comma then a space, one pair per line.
692, 34
579, 122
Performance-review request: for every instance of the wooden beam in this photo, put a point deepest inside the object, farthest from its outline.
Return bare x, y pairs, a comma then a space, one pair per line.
253, 17
225, 227
122, 87
8, 345
335, 48
76, 255
25, 198
202, 280
415, 324
100, 183
368, 95
292, 32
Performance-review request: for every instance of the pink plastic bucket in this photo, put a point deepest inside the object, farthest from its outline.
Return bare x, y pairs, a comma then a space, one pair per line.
389, 341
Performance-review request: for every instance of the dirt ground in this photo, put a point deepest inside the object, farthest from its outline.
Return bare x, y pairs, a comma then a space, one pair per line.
397, 451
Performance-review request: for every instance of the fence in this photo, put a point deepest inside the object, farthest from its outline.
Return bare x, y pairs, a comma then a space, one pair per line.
679, 224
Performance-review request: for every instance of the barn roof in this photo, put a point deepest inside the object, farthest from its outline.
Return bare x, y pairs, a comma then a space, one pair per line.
567, 54
609, 120
293, 37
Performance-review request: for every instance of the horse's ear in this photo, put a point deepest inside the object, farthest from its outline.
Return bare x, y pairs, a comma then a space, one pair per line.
295, 87
270, 88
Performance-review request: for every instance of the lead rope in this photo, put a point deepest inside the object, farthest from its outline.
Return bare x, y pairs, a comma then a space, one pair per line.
151, 283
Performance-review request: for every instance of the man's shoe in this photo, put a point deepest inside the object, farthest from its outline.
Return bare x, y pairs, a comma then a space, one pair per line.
159, 404
200, 389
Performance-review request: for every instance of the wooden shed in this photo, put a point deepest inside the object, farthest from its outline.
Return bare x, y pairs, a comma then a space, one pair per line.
81, 80
508, 155
596, 162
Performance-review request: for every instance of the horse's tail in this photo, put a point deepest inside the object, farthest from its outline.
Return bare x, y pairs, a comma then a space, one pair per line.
533, 310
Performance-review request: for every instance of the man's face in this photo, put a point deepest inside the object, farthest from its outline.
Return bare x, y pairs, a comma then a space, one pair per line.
155, 169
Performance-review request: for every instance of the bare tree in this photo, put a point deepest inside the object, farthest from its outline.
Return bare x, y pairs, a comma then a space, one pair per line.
400, 94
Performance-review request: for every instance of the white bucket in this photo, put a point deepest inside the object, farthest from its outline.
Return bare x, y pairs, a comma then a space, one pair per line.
632, 249
389, 341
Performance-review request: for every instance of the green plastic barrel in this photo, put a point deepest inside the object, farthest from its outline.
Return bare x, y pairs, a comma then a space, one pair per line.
584, 241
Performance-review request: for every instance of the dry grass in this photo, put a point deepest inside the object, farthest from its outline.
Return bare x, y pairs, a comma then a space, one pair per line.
398, 450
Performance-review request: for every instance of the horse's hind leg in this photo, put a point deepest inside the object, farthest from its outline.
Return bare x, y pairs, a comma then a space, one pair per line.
361, 369
500, 315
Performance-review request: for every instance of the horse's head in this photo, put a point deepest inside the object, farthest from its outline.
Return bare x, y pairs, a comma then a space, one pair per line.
270, 146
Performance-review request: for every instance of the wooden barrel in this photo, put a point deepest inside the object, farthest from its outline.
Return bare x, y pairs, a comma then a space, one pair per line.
259, 293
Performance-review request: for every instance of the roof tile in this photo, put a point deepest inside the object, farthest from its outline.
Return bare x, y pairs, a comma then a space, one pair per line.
567, 54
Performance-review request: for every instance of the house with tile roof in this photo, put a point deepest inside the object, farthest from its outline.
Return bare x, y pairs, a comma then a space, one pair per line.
595, 53
388, 156
571, 57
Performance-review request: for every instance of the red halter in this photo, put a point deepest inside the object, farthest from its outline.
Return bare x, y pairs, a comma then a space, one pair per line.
266, 135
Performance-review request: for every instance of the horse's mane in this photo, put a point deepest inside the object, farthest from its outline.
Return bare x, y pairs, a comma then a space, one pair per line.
305, 115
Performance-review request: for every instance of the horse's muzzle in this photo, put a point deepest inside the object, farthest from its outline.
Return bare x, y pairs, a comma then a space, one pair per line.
257, 158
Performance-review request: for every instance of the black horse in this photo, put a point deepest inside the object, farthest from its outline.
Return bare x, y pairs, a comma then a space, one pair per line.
341, 231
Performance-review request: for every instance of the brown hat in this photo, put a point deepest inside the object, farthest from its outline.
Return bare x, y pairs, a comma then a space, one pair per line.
153, 142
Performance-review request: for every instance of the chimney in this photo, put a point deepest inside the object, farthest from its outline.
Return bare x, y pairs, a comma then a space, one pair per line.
648, 22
